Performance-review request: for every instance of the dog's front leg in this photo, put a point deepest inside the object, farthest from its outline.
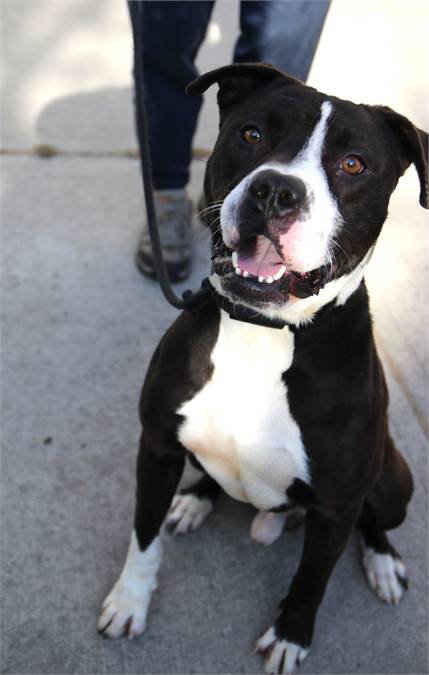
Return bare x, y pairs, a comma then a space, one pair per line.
287, 643
125, 609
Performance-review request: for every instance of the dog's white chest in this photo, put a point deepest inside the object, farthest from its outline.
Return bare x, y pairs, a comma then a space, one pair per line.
239, 425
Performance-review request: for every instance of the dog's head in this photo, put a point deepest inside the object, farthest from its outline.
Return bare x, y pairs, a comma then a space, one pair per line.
297, 188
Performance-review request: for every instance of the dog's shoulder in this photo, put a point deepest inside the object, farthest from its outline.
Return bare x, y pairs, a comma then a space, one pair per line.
338, 396
180, 365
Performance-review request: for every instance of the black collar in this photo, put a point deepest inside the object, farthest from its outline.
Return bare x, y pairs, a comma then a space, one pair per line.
207, 294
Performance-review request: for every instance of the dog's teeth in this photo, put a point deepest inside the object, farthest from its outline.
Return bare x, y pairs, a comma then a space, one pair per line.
246, 274
280, 273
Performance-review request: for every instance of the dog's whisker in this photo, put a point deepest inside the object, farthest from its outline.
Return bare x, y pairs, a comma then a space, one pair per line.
210, 207
207, 210
343, 252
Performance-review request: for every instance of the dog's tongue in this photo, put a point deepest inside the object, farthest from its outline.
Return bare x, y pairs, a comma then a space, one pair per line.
260, 258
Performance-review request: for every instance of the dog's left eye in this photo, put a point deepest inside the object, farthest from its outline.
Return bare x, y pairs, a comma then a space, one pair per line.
352, 164
251, 135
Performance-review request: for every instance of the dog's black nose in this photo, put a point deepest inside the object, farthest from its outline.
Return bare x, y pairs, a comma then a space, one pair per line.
277, 192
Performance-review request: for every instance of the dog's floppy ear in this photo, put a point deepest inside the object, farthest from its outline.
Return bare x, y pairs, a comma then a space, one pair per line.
237, 79
413, 148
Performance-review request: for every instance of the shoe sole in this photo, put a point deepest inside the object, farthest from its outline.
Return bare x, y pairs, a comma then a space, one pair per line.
176, 273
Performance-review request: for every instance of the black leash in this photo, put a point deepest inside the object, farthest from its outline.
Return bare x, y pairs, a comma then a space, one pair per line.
193, 301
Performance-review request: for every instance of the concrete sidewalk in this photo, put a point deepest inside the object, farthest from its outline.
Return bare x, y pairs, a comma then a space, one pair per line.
79, 326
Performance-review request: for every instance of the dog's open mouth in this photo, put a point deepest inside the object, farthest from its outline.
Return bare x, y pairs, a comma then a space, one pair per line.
256, 272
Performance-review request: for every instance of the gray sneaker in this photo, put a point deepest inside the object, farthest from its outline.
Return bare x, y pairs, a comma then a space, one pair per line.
174, 215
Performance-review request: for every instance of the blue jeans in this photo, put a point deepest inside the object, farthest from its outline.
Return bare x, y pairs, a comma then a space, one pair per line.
282, 32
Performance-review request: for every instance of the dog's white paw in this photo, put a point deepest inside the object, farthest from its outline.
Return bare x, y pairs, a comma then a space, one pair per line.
386, 575
281, 656
267, 527
187, 513
125, 609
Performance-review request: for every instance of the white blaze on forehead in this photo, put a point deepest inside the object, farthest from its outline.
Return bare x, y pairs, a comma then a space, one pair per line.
308, 243
313, 148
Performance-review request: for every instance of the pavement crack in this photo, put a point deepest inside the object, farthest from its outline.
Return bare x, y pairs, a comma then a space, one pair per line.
48, 150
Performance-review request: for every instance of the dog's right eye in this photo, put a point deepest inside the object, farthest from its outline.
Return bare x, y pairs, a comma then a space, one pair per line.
251, 135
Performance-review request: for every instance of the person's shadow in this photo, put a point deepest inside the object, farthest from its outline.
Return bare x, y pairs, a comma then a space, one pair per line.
99, 121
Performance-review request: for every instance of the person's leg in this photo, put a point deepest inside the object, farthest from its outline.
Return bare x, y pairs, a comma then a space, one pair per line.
171, 34
284, 33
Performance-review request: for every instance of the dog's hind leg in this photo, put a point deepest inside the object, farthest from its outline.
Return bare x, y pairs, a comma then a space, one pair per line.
191, 506
125, 609
384, 509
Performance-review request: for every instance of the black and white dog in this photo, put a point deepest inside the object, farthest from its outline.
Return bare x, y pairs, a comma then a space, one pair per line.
298, 187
